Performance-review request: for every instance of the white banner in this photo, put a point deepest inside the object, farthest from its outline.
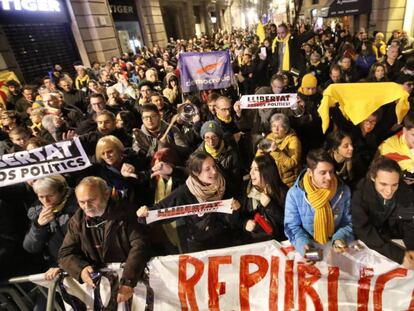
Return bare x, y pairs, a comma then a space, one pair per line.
199, 209
271, 276
268, 101
57, 158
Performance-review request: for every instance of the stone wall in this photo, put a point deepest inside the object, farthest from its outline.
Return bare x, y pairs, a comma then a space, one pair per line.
96, 30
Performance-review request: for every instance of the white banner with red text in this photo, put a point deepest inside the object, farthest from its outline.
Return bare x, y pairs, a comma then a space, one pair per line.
271, 276
268, 101
223, 206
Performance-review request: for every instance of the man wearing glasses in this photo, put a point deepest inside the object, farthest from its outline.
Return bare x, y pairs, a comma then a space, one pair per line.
99, 233
156, 133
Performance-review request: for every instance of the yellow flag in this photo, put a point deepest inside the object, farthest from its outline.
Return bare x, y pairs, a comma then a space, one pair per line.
358, 101
260, 32
4, 92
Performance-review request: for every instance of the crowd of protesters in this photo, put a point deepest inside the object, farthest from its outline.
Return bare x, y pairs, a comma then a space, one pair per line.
289, 180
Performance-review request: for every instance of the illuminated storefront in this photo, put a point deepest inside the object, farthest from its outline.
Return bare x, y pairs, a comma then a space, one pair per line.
127, 25
38, 34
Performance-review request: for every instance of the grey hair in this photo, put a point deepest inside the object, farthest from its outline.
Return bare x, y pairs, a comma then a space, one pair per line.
47, 123
283, 118
94, 181
56, 184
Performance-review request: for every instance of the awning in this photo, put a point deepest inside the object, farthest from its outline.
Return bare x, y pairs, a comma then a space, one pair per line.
346, 7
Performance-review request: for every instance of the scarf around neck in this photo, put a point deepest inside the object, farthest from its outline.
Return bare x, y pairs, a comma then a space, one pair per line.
62, 203
163, 189
286, 57
205, 193
215, 153
225, 120
323, 224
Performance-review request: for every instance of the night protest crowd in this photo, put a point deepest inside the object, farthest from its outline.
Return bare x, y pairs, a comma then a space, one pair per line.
289, 179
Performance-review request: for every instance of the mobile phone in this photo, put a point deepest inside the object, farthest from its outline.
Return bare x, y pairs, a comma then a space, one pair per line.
319, 22
263, 51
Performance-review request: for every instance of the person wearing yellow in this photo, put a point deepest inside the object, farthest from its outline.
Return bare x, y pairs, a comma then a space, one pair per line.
400, 147
286, 148
286, 50
379, 46
317, 208
224, 152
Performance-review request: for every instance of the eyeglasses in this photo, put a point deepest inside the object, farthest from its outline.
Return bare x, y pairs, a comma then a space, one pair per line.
224, 109
153, 117
96, 225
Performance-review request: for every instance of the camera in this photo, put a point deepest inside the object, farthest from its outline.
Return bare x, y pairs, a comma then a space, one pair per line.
314, 254
408, 175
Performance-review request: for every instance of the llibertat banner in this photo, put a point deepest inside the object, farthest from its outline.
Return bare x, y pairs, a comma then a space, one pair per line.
205, 71
57, 158
223, 206
262, 101
267, 276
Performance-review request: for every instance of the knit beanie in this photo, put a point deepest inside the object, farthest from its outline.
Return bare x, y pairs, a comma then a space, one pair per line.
213, 127
308, 80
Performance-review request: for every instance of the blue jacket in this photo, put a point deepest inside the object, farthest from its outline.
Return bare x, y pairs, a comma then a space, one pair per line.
299, 215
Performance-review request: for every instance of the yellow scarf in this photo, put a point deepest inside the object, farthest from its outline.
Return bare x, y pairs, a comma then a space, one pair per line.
286, 57
61, 205
358, 101
163, 189
81, 82
323, 224
227, 120
215, 153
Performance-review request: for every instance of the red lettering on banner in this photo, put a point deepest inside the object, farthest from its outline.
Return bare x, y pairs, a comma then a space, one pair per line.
273, 288
289, 285
333, 276
216, 288
305, 286
287, 249
247, 279
380, 284
411, 307
186, 286
364, 285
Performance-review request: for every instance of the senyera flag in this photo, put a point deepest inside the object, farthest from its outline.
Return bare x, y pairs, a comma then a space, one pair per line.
205, 71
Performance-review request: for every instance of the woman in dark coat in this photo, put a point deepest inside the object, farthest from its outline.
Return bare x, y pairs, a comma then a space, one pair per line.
262, 210
204, 184
126, 173
49, 219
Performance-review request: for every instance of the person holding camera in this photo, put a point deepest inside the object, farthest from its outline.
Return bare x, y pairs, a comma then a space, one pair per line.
317, 208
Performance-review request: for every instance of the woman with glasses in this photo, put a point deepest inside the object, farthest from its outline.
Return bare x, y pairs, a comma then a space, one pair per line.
285, 148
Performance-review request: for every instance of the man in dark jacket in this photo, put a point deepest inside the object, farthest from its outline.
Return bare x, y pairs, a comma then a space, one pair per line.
99, 233
287, 50
383, 209
73, 96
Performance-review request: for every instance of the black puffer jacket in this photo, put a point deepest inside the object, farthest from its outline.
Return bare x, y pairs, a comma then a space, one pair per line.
376, 223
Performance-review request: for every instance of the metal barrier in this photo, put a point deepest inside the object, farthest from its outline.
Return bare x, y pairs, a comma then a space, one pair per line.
13, 296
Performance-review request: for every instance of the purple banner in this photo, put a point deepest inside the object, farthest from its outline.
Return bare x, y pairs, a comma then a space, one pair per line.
205, 71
